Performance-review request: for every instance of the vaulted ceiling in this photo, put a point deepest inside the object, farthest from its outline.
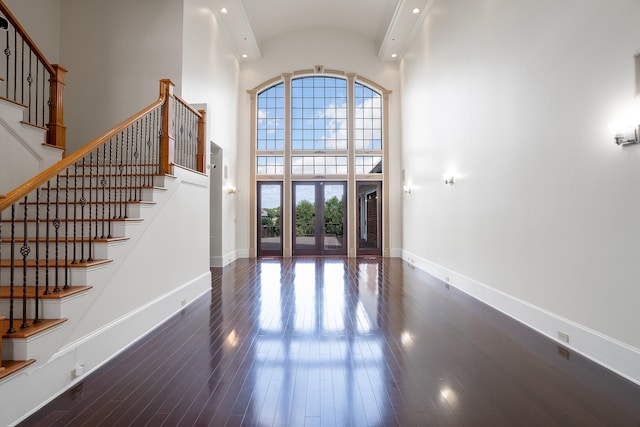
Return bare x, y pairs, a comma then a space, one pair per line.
388, 23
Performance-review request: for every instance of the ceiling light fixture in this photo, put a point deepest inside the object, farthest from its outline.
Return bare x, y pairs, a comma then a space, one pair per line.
394, 55
416, 10
224, 10
244, 55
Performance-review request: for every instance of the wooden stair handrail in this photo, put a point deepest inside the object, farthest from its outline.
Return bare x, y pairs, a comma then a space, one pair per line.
57, 131
41, 179
23, 33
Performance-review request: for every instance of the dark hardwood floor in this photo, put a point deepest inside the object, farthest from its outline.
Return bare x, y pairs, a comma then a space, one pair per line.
343, 342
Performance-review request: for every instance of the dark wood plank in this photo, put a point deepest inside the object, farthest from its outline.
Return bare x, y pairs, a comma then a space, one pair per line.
337, 341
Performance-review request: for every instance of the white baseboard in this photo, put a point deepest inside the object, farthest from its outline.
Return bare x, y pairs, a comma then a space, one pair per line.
613, 354
221, 261
42, 382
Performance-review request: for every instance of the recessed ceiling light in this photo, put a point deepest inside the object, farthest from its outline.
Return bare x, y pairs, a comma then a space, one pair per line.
244, 55
416, 10
394, 55
224, 10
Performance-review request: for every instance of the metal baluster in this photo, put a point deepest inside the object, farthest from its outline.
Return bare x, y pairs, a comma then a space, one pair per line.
37, 94
12, 265
66, 233
75, 212
156, 147
110, 185
30, 80
45, 93
15, 63
117, 177
128, 167
7, 54
121, 172
36, 317
24, 251
56, 225
136, 158
46, 255
83, 203
147, 149
90, 258
103, 183
22, 73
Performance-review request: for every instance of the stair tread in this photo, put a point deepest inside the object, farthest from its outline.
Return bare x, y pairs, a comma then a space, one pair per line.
31, 292
135, 187
13, 366
81, 220
30, 331
5, 263
61, 240
95, 202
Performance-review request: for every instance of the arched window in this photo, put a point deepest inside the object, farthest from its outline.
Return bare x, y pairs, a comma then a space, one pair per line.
316, 128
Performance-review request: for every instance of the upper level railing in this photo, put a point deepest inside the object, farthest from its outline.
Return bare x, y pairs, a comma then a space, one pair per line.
29, 79
50, 223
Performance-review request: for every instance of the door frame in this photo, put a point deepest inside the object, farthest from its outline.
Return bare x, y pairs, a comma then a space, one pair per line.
379, 219
268, 252
319, 225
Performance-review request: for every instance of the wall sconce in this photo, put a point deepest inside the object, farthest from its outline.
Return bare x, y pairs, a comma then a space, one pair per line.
448, 180
625, 131
627, 137
407, 189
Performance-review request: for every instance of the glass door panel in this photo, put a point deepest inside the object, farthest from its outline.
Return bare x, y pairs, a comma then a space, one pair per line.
334, 216
269, 219
304, 206
369, 218
319, 214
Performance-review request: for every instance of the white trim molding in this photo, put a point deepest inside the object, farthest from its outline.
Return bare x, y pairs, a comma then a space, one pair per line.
612, 354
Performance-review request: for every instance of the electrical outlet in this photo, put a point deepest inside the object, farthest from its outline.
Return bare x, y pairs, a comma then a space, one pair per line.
78, 371
563, 336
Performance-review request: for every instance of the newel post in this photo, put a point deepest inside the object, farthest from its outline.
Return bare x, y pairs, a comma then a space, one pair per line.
57, 130
168, 140
201, 159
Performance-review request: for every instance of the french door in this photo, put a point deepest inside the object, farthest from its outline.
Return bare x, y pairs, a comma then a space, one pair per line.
270, 218
369, 217
319, 218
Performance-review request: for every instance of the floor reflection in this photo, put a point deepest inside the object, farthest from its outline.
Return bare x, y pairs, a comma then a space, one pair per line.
318, 344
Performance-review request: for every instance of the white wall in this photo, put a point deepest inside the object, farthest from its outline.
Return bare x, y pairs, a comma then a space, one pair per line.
41, 20
332, 49
116, 52
210, 77
513, 97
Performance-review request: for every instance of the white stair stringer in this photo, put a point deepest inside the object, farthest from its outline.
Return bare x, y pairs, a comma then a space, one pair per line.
22, 145
72, 307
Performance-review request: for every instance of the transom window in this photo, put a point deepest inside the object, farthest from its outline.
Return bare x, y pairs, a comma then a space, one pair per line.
271, 119
319, 129
319, 113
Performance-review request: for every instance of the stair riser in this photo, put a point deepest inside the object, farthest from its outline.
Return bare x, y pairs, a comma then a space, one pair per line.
37, 347
99, 250
98, 195
76, 211
76, 276
117, 230
96, 181
49, 309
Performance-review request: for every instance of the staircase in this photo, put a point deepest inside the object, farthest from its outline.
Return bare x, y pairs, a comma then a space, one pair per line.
54, 245
99, 248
